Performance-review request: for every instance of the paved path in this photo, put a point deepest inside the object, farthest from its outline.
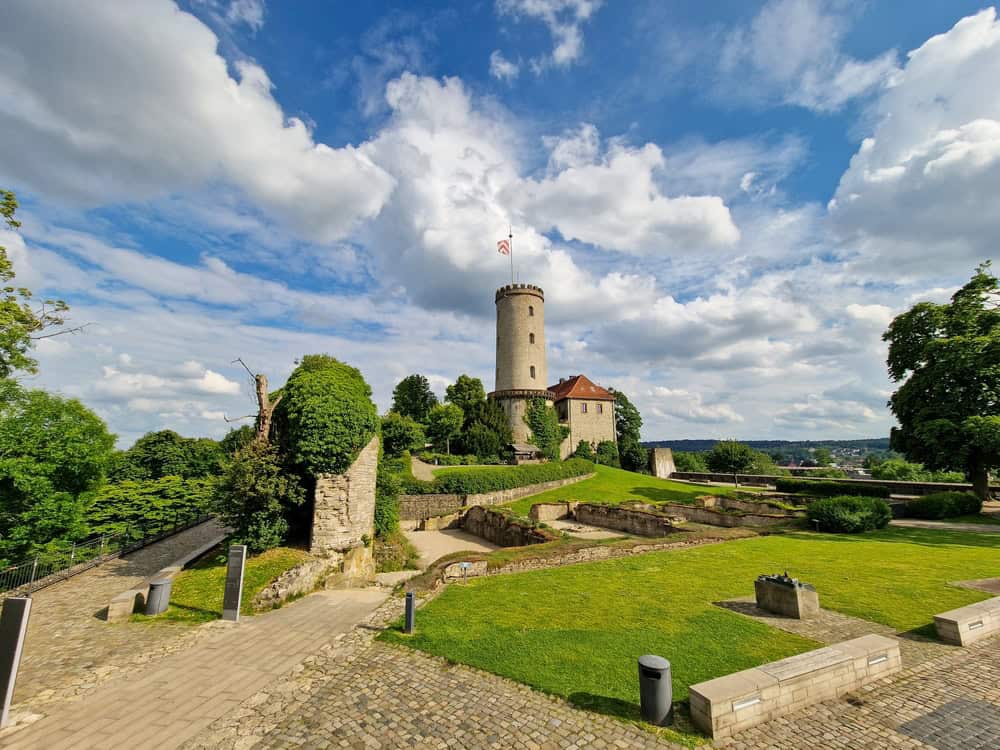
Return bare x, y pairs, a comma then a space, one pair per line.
70, 649
980, 528
421, 470
182, 694
434, 544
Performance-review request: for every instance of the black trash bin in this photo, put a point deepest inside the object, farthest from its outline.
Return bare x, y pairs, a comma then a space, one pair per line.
655, 690
159, 595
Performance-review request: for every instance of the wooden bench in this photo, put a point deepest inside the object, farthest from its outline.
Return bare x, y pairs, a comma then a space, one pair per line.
727, 705
969, 624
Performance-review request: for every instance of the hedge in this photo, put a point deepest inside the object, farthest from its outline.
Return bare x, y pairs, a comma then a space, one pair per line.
153, 502
491, 479
944, 505
818, 488
849, 514
448, 459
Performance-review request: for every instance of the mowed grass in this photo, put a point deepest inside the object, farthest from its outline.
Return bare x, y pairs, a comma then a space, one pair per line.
577, 631
198, 591
613, 486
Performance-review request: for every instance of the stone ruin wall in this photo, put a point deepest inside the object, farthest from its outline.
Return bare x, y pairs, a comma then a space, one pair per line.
344, 514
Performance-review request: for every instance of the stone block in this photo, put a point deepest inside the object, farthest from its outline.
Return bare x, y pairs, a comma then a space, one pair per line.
786, 596
661, 462
549, 511
969, 624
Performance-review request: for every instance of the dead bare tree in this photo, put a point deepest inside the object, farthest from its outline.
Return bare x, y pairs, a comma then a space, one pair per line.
265, 406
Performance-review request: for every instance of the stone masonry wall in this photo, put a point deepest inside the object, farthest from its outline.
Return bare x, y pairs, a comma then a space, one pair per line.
499, 528
630, 520
419, 507
344, 505
718, 518
896, 488
661, 462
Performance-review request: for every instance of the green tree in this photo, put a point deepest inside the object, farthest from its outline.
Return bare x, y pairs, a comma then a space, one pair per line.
443, 423
628, 426
53, 455
467, 393
546, 432
400, 434
607, 453
946, 358
584, 450
731, 457
166, 454
822, 456
412, 397
688, 461
22, 321
255, 497
236, 439
486, 416
326, 415
387, 488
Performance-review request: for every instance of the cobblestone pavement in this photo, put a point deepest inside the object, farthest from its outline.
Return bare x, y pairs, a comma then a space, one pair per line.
363, 694
69, 650
181, 694
833, 627
913, 709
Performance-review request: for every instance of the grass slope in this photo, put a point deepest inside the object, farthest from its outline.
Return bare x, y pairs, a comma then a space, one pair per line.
197, 592
616, 486
577, 631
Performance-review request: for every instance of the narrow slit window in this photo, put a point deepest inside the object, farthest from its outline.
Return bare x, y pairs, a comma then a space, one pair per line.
531, 338
583, 408
532, 371
531, 311
600, 408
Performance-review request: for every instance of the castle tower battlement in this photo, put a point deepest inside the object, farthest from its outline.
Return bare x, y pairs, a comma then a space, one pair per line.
521, 370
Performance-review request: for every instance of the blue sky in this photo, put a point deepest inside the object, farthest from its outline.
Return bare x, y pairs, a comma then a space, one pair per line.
726, 202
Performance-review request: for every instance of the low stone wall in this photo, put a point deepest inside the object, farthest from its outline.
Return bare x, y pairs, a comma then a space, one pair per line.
630, 520
719, 518
294, 582
728, 705
502, 529
551, 511
896, 488
731, 503
969, 624
420, 507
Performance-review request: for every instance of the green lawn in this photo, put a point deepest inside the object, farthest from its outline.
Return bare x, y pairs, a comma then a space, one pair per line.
613, 486
197, 592
576, 631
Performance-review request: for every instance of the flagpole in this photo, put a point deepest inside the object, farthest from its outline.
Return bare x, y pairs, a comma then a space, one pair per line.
510, 237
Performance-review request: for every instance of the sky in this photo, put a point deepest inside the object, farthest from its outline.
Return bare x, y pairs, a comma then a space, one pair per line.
726, 203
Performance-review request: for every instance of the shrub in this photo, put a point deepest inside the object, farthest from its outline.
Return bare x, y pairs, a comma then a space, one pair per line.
687, 461
546, 432
481, 440
153, 503
448, 459
607, 454
849, 514
400, 434
491, 479
387, 486
584, 451
255, 497
944, 505
326, 415
819, 488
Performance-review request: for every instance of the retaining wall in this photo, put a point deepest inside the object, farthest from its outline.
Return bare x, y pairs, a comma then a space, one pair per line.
729, 503
630, 520
719, 518
420, 507
502, 529
896, 488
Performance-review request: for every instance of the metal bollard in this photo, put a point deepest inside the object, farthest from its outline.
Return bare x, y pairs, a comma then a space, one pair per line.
411, 612
655, 690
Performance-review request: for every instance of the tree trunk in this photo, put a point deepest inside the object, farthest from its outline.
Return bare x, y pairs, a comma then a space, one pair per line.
980, 480
265, 409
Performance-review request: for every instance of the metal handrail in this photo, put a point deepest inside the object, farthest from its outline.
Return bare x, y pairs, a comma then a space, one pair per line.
46, 568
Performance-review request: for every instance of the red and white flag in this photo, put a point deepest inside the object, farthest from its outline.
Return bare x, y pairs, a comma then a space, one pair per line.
503, 247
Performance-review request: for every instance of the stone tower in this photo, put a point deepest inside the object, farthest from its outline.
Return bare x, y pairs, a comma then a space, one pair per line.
521, 373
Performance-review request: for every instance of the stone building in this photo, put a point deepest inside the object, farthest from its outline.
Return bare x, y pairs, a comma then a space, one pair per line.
587, 409
522, 375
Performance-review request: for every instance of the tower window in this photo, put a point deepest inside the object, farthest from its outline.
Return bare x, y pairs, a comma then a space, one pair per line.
531, 311
600, 408
532, 371
531, 338
583, 407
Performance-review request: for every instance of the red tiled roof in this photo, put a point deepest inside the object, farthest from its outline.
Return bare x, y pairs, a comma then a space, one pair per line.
580, 386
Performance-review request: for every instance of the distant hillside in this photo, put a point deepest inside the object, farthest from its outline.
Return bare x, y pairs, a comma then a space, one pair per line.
865, 445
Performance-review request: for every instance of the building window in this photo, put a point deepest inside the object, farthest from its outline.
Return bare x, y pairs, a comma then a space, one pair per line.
531, 311
583, 407
531, 338
600, 408
532, 371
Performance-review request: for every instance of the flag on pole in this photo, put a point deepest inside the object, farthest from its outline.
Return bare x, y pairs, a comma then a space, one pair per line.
503, 247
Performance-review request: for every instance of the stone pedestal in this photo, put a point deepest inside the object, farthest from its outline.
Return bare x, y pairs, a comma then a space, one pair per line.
786, 596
